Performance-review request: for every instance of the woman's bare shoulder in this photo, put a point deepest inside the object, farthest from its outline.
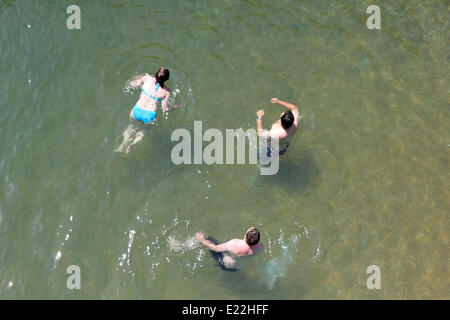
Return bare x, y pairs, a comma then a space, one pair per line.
167, 90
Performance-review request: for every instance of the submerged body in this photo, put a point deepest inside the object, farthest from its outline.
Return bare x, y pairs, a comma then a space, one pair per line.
237, 261
232, 255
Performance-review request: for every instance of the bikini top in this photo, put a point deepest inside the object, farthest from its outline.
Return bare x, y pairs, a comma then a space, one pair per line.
156, 89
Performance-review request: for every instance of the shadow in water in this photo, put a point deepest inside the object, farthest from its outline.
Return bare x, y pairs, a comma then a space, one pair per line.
242, 283
297, 173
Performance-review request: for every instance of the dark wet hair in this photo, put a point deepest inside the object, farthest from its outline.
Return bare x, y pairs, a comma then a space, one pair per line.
162, 75
252, 236
287, 119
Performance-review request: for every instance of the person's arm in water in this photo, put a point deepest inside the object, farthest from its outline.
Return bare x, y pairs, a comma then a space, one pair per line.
259, 128
165, 104
138, 80
214, 247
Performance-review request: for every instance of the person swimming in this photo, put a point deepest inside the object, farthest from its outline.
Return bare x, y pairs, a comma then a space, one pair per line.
233, 255
284, 129
153, 90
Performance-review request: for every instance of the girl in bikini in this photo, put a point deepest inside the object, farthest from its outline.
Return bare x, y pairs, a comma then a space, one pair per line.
153, 91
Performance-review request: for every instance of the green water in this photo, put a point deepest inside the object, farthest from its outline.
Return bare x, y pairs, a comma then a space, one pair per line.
365, 181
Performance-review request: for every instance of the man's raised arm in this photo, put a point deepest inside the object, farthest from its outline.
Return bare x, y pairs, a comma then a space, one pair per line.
288, 105
259, 128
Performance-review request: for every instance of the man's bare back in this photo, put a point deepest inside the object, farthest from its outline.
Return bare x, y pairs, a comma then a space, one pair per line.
236, 251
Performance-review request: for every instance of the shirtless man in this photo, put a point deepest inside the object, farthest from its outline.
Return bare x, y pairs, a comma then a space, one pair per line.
153, 91
283, 129
232, 255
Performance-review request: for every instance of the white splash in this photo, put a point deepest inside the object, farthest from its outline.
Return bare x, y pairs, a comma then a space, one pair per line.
178, 247
277, 266
130, 243
316, 255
